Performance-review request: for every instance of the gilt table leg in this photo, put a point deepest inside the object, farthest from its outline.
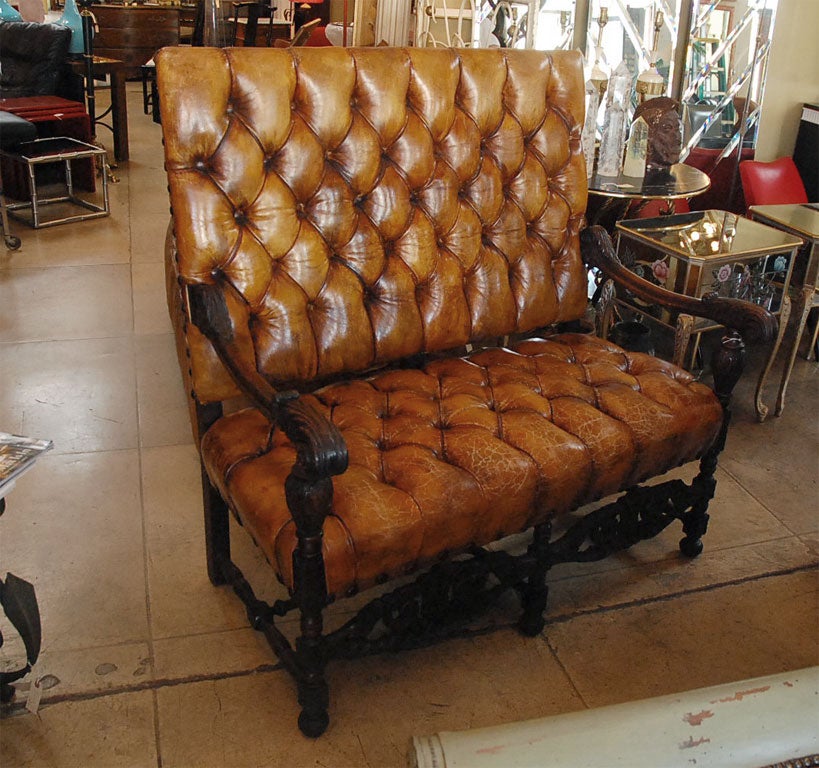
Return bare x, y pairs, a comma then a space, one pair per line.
682, 335
784, 315
803, 306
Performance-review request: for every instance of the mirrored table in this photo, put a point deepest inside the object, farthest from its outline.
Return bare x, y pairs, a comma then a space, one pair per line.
710, 252
801, 220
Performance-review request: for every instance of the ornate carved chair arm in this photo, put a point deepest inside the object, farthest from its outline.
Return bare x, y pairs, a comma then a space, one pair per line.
320, 446
210, 314
320, 453
751, 320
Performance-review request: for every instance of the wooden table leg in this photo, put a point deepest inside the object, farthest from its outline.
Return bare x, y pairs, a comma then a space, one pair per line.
784, 315
804, 303
119, 114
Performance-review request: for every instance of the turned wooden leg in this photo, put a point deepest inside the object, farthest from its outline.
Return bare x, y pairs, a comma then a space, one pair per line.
310, 499
314, 694
784, 315
803, 306
217, 532
217, 516
534, 593
727, 365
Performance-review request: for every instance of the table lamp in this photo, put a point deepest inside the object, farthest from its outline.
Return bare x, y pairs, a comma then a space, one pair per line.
650, 83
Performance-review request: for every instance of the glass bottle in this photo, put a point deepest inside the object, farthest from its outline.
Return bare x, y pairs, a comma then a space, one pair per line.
214, 32
71, 18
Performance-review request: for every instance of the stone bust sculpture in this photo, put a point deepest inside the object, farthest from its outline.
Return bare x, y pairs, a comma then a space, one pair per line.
664, 132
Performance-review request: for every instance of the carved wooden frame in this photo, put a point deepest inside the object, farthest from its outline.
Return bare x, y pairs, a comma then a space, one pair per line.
445, 600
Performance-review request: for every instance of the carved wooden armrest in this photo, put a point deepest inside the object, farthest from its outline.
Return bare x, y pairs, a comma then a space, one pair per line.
751, 320
209, 313
319, 445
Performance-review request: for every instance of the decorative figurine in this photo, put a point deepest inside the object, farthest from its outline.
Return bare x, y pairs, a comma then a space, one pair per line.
636, 149
662, 116
610, 160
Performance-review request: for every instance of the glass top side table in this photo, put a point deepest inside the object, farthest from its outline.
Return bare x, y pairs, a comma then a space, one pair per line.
801, 220
619, 193
711, 252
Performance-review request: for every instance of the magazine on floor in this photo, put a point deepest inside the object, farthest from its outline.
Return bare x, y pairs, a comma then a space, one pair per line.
17, 454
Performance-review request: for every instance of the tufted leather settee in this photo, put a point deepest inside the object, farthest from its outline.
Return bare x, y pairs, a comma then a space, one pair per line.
353, 233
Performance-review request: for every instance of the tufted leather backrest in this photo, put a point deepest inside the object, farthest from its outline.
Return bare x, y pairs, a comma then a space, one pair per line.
33, 59
370, 204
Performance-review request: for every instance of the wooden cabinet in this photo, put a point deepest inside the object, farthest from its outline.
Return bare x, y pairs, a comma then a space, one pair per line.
134, 33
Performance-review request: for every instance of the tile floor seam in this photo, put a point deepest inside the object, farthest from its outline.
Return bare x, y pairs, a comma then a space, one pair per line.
675, 556
758, 500
143, 522
157, 738
563, 669
562, 619
167, 682
18, 708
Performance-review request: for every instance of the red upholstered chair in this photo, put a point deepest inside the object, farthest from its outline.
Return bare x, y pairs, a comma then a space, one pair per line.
773, 183
317, 38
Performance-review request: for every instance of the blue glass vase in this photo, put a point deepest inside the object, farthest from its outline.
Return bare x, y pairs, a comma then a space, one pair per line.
7, 13
71, 18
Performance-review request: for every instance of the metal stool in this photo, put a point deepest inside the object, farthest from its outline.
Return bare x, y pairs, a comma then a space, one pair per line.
58, 150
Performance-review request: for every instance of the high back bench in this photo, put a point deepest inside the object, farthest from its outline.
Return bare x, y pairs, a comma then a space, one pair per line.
377, 248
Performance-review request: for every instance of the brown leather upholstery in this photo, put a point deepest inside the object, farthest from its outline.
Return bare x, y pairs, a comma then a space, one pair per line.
366, 205
467, 451
370, 205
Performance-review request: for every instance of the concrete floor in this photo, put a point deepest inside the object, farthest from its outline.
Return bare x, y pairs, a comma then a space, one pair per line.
149, 665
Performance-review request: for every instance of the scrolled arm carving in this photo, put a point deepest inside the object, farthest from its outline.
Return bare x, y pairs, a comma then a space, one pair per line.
319, 444
752, 321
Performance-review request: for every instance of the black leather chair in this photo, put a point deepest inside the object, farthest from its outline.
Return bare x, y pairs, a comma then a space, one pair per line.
34, 61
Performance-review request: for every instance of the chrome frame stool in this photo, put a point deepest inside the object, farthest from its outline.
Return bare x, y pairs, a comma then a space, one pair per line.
56, 150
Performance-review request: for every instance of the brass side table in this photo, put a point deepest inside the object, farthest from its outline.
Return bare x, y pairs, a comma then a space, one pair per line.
711, 252
801, 220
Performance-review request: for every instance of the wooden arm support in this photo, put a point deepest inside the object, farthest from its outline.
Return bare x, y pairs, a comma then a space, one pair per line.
320, 448
209, 313
751, 320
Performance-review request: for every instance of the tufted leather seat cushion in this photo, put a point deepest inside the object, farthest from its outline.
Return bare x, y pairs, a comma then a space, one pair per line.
467, 450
